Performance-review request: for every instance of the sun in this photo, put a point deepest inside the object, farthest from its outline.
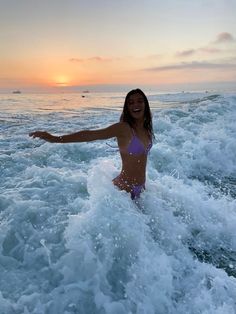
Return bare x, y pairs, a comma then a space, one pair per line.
61, 80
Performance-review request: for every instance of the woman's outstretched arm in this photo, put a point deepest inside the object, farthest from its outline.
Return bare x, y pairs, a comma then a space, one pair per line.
114, 130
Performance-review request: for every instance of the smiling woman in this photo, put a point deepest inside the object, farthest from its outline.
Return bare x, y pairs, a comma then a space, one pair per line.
134, 135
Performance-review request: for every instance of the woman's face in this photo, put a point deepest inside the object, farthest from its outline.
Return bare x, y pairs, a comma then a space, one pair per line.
136, 106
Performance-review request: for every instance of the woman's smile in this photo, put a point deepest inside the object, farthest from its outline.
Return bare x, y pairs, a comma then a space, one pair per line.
136, 105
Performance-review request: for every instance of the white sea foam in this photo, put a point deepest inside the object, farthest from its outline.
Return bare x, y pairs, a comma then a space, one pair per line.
71, 242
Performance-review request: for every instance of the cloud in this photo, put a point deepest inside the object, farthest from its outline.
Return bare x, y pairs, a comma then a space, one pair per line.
224, 37
92, 59
186, 53
191, 52
100, 59
76, 60
210, 49
192, 65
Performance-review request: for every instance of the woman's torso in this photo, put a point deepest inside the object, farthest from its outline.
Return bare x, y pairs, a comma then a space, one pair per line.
134, 148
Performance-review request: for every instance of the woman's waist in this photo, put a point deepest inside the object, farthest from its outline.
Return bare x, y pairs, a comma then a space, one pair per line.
130, 179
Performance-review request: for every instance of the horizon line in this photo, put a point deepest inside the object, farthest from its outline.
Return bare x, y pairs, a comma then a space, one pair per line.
203, 86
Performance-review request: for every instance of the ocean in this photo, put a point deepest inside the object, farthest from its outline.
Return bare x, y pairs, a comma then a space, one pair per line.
71, 242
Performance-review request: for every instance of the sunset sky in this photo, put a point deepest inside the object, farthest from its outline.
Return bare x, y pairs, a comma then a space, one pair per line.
52, 45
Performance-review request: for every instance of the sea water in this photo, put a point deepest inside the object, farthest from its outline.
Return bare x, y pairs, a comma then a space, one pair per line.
71, 242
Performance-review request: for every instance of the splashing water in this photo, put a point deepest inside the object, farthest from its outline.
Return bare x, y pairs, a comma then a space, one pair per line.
71, 242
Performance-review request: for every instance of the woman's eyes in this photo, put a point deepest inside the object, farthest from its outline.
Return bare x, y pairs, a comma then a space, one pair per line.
139, 101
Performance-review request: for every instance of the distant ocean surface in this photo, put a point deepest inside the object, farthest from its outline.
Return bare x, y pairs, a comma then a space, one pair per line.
70, 242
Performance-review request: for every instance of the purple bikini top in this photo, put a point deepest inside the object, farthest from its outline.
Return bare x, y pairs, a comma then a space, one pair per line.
136, 147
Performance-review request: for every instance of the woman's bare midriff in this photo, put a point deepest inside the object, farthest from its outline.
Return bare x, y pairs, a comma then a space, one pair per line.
132, 173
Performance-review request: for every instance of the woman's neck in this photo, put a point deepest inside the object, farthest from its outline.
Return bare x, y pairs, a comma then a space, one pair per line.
138, 124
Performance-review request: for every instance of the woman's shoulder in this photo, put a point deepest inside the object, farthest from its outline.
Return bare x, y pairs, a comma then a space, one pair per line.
123, 127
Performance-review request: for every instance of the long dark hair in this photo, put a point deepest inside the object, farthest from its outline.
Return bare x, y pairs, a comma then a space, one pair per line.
126, 117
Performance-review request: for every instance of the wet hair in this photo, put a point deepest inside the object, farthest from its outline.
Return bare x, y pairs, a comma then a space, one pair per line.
126, 117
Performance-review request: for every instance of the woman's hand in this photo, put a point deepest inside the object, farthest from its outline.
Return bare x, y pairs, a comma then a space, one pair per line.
44, 136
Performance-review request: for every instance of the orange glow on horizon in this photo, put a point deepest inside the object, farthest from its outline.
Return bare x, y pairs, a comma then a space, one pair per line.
61, 81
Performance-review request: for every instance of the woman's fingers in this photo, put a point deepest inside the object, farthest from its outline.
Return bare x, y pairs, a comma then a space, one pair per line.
42, 135
33, 134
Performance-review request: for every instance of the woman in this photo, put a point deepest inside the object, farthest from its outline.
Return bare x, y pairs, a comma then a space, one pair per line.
134, 135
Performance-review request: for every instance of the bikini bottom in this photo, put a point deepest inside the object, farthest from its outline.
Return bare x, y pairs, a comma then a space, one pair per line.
136, 191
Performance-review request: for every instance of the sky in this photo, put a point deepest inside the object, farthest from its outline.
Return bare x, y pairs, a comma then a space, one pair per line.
71, 45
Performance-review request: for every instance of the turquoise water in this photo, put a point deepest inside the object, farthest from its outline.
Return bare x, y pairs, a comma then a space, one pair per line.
70, 242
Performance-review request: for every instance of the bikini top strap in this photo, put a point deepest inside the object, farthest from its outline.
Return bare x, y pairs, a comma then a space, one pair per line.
132, 130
